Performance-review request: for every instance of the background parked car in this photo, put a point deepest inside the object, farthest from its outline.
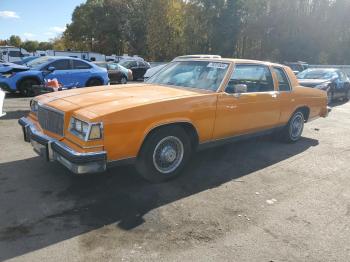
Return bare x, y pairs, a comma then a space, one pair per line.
138, 68
334, 81
116, 73
297, 67
66, 70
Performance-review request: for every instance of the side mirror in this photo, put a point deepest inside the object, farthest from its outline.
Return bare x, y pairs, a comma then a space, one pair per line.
51, 68
240, 88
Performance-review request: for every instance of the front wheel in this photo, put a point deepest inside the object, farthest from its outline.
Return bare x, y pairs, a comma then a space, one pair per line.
94, 82
293, 130
329, 97
26, 87
164, 154
347, 96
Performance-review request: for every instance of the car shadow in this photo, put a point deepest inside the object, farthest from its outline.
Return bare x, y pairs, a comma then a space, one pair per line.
338, 103
43, 204
15, 114
9, 95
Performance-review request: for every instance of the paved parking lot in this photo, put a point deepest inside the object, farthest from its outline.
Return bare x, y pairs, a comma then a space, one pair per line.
257, 200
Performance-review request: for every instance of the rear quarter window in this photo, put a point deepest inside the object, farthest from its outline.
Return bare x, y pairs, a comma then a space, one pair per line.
283, 80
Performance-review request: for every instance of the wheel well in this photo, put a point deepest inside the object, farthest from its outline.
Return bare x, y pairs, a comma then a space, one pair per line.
188, 127
27, 78
305, 111
94, 78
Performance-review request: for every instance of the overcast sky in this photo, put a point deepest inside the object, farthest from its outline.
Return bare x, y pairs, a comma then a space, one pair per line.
35, 19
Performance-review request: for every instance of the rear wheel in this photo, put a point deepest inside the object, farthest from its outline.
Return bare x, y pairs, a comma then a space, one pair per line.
26, 87
94, 82
123, 80
164, 154
293, 130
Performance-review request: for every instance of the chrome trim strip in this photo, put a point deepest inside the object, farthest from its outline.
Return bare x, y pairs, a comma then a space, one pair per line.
231, 139
83, 147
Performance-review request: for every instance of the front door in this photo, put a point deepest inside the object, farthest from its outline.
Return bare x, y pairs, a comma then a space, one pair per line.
257, 109
62, 72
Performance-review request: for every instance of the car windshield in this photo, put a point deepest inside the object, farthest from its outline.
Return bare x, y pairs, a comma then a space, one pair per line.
38, 62
316, 74
128, 64
205, 75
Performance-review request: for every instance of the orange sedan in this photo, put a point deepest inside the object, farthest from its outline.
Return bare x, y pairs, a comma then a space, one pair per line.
192, 103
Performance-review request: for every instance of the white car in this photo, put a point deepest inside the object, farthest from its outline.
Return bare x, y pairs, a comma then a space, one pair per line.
2, 98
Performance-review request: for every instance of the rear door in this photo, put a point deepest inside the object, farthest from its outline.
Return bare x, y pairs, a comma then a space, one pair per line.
256, 110
81, 73
285, 96
114, 73
62, 72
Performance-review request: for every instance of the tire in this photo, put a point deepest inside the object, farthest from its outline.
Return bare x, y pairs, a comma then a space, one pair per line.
123, 80
292, 132
164, 154
26, 87
330, 97
94, 82
347, 96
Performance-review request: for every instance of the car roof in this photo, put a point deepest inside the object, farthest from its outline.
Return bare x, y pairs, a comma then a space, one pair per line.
230, 60
324, 69
65, 57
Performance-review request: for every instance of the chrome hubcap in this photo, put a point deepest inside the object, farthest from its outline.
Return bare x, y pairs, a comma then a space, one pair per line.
168, 154
296, 127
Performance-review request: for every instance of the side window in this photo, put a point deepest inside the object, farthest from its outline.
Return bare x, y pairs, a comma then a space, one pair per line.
282, 79
15, 53
61, 64
77, 64
257, 78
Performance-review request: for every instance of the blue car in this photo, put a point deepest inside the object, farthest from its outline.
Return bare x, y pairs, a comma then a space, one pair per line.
67, 70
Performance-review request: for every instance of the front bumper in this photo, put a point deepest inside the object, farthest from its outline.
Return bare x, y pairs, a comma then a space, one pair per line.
54, 150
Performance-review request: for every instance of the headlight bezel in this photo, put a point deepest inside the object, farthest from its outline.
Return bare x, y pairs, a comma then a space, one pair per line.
85, 131
34, 106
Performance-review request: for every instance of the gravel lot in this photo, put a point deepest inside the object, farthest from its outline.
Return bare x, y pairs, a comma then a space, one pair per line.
258, 200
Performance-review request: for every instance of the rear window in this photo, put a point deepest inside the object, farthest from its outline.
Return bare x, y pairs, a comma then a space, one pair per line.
282, 79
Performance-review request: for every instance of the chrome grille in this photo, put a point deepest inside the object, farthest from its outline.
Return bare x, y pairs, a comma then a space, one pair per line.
51, 120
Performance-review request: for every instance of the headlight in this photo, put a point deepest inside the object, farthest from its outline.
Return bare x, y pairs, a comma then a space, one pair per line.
34, 106
7, 75
86, 131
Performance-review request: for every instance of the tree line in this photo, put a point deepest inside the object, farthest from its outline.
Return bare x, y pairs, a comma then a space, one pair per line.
32, 45
315, 31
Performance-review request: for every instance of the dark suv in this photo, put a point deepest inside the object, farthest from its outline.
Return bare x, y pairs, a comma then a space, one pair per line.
138, 68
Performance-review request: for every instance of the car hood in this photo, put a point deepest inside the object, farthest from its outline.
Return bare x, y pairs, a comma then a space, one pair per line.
11, 67
108, 99
312, 82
